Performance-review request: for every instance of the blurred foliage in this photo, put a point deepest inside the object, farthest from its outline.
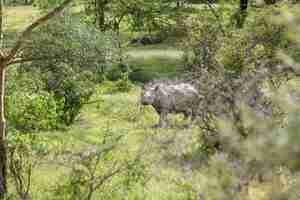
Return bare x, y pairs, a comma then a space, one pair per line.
248, 116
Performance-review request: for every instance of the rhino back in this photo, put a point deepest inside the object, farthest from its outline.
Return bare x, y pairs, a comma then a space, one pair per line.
176, 98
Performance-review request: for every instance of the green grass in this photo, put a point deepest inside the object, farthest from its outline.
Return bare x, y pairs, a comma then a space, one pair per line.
164, 151
173, 161
121, 113
160, 61
155, 61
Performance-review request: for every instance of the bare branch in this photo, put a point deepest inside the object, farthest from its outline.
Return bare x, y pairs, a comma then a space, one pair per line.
31, 27
103, 179
24, 60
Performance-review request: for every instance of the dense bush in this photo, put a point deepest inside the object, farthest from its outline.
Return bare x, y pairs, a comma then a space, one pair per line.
143, 75
112, 87
238, 118
124, 84
69, 58
30, 112
28, 107
232, 68
72, 93
114, 73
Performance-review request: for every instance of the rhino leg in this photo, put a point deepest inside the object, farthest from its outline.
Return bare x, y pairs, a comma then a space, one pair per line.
186, 115
194, 116
163, 119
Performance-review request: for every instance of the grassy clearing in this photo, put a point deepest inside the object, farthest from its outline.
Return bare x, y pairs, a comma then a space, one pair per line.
169, 153
120, 113
18, 17
159, 63
155, 61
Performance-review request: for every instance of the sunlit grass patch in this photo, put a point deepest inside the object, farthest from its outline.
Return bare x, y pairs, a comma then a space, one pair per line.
17, 18
153, 51
154, 63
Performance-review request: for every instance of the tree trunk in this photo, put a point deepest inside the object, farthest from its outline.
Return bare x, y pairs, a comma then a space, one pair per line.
1, 23
243, 5
101, 17
3, 159
241, 14
100, 13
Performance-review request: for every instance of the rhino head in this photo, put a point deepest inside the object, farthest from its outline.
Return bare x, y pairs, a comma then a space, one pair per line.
149, 93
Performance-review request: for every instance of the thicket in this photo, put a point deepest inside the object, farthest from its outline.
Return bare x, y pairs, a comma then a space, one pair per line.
68, 58
248, 116
63, 64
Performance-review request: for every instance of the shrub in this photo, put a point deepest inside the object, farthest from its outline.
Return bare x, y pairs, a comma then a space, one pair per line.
73, 55
113, 74
33, 112
143, 76
232, 68
251, 144
111, 87
73, 95
28, 107
124, 84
